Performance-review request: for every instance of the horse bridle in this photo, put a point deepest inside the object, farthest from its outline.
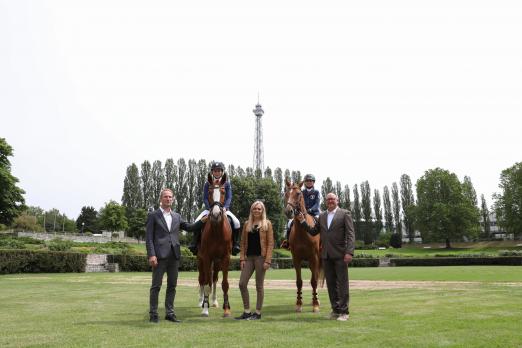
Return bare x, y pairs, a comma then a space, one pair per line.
295, 207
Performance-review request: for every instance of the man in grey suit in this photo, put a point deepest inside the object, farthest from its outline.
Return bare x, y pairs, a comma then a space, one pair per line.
163, 251
337, 247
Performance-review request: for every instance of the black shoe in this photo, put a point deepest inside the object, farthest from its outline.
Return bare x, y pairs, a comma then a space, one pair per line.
193, 249
244, 316
255, 316
154, 319
172, 317
235, 249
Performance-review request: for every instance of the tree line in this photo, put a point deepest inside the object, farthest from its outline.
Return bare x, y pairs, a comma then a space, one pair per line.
442, 208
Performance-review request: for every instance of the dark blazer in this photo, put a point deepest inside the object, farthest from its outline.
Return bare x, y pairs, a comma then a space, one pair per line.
339, 239
160, 240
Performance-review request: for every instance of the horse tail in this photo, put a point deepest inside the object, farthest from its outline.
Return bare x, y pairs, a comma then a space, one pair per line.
321, 273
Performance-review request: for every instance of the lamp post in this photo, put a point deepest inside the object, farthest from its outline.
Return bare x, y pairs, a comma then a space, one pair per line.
83, 224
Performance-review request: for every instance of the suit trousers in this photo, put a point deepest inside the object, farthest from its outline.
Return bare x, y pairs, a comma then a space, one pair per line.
170, 266
336, 274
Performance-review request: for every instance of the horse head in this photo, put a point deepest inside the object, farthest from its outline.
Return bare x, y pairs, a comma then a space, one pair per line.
216, 197
294, 201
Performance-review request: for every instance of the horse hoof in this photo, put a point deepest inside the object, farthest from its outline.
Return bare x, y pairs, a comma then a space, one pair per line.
315, 309
204, 314
215, 304
298, 309
226, 314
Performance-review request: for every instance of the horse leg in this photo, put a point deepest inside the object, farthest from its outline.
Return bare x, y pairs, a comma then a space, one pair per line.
215, 274
224, 285
299, 284
205, 282
201, 296
314, 267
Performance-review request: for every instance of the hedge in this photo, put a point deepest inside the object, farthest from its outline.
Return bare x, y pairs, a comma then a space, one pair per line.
457, 261
29, 261
139, 263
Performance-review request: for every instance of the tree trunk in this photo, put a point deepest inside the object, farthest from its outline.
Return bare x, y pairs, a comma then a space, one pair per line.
448, 246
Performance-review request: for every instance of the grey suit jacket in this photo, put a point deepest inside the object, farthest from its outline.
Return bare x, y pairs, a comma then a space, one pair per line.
158, 237
339, 239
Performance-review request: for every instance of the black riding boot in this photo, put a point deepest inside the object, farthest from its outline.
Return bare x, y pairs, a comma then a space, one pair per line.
193, 247
235, 240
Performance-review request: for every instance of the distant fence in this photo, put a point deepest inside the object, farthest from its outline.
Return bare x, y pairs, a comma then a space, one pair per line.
105, 237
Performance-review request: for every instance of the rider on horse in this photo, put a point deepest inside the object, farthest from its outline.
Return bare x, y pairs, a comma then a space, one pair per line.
312, 199
217, 169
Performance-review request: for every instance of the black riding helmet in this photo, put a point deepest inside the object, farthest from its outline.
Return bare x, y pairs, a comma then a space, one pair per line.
309, 177
217, 165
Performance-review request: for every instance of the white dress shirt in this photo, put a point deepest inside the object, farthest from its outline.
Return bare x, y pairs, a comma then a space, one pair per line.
167, 216
330, 217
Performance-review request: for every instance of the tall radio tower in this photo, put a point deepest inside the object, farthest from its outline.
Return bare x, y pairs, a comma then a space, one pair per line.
258, 143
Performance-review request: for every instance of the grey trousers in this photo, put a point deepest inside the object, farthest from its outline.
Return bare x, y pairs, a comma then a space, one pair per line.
252, 263
169, 265
336, 274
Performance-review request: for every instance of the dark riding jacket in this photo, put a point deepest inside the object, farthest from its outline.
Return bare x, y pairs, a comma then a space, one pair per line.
311, 199
228, 195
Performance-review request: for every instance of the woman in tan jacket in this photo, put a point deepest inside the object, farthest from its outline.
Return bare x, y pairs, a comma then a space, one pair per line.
257, 243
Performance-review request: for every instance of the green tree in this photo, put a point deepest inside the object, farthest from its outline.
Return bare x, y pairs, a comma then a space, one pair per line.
408, 206
189, 206
484, 212
366, 205
113, 218
147, 185
443, 213
26, 222
158, 182
469, 191
396, 204
132, 191
346, 198
12, 202
278, 178
357, 214
296, 176
388, 214
378, 212
326, 188
268, 173
170, 169
180, 185
249, 189
201, 178
88, 220
137, 219
508, 203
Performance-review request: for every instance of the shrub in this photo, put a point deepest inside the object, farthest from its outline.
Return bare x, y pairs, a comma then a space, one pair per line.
60, 245
510, 253
396, 240
115, 235
11, 243
384, 240
28, 261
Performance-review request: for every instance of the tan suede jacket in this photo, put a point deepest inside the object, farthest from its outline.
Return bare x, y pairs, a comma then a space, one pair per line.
267, 243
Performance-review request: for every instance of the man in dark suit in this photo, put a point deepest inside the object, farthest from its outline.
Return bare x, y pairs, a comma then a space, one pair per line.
163, 251
337, 247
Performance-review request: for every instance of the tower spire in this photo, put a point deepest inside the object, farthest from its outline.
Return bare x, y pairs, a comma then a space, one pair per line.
258, 141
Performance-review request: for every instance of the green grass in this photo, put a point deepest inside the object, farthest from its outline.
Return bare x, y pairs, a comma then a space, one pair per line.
110, 310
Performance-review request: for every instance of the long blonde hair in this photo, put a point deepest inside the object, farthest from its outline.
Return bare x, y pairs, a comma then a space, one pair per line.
264, 220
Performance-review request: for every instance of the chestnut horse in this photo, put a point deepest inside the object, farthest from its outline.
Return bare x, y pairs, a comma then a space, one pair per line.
303, 246
216, 245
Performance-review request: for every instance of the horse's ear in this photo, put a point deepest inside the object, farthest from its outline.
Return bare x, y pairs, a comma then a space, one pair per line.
223, 178
287, 182
209, 179
300, 183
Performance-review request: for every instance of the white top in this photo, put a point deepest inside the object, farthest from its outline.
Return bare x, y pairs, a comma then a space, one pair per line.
168, 217
330, 216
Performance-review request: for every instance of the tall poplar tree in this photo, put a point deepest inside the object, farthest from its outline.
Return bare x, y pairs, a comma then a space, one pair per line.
366, 205
408, 206
396, 204
388, 214
147, 185
132, 192
158, 182
357, 213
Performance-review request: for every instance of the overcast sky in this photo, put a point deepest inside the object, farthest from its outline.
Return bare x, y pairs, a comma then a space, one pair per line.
354, 90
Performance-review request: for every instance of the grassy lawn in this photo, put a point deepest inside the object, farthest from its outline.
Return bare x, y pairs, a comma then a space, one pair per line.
110, 310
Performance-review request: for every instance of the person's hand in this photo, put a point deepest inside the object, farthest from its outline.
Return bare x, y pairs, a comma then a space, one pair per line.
153, 261
266, 266
241, 264
204, 219
348, 258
